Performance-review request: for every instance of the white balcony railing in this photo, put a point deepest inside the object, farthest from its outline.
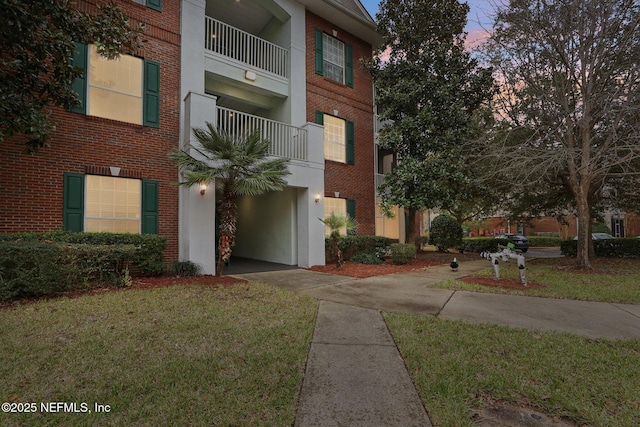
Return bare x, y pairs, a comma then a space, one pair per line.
244, 47
286, 140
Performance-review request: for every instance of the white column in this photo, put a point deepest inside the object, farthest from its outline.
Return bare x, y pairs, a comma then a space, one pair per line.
197, 211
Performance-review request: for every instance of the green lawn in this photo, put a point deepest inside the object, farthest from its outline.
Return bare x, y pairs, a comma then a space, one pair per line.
177, 356
612, 280
458, 367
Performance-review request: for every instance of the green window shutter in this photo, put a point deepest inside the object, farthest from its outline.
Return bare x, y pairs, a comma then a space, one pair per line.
79, 85
351, 212
348, 53
319, 59
155, 4
151, 93
73, 201
149, 206
320, 118
351, 155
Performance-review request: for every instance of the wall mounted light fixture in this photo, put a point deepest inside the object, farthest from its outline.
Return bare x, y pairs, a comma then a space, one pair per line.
317, 197
203, 188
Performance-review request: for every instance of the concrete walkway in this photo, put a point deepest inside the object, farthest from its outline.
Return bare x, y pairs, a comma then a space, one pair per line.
355, 375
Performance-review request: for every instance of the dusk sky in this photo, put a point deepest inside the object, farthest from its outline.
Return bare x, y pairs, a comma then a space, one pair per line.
477, 19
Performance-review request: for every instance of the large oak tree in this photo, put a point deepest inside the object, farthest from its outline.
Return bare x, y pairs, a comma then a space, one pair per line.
570, 77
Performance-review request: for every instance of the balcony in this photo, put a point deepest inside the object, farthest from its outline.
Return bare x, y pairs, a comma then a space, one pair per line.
245, 49
286, 141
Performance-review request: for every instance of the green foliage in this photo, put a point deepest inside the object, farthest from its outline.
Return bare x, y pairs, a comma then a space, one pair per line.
37, 43
544, 241
367, 258
445, 232
430, 88
600, 227
355, 244
622, 248
402, 253
186, 268
335, 222
149, 248
32, 268
482, 244
238, 165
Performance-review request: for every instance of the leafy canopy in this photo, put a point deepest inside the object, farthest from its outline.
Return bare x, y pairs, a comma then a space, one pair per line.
37, 43
429, 87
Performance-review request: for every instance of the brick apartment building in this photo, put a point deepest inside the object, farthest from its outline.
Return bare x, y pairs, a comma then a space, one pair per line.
287, 67
106, 168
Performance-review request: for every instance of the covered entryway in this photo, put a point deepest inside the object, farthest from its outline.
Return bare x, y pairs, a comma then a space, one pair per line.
239, 265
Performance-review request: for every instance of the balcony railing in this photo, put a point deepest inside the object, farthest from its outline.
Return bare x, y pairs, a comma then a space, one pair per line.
286, 141
244, 47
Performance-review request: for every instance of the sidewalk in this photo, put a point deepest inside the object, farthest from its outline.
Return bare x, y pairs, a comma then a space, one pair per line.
355, 375
408, 292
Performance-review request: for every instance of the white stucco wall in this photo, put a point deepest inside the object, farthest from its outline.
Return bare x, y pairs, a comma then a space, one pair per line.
267, 227
281, 227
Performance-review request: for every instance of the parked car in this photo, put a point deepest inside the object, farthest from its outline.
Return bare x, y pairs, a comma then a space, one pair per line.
598, 236
519, 241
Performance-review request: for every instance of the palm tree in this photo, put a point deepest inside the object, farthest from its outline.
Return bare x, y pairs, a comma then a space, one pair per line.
239, 166
336, 222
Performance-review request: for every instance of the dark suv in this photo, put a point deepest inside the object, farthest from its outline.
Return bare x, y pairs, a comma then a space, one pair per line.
520, 242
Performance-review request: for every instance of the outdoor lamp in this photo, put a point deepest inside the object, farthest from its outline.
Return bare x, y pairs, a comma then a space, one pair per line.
203, 188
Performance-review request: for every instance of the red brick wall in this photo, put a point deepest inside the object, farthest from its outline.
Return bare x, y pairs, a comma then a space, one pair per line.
31, 185
354, 104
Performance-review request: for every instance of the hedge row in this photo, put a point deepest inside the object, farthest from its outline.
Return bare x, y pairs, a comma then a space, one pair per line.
147, 258
33, 268
623, 248
352, 245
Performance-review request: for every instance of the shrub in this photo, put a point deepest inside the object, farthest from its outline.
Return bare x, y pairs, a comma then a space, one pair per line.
542, 241
32, 268
352, 245
623, 248
402, 253
147, 257
366, 258
482, 244
422, 241
186, 268
445, 232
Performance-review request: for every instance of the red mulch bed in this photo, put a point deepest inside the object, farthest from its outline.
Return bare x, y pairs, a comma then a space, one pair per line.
361, 271
502, 283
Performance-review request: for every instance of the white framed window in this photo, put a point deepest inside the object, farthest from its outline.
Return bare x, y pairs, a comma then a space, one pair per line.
113, 204
333, 58
335, 140
115, 87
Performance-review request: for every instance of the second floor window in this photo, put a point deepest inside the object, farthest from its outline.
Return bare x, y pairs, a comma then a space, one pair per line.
126, 89
115, 87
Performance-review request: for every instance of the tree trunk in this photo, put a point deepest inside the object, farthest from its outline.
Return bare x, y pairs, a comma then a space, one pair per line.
228, 218
584, 234
412, 233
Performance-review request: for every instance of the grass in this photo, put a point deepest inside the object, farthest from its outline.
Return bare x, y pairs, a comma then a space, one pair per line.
612, 280
182, 355
458, 368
